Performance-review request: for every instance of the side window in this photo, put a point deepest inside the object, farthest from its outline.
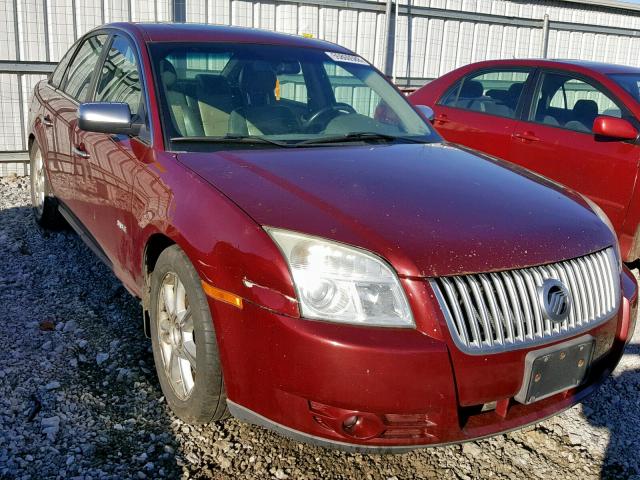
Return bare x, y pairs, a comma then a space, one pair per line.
568, 102
80, 72
58, 73
495, 92
119, 79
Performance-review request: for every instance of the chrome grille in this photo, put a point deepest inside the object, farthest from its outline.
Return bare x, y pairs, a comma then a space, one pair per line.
491, 312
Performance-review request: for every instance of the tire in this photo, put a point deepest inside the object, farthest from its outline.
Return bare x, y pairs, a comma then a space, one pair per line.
44, 204
196, 395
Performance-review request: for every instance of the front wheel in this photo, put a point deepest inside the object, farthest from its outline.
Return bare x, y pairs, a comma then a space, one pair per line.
184, 343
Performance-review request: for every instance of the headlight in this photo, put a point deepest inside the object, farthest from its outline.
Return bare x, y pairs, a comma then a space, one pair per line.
603, 216
343, 284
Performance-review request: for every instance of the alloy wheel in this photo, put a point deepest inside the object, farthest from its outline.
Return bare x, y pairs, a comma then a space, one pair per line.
176, 336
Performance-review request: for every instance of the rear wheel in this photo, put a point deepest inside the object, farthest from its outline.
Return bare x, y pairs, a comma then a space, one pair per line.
185, 349
45, 207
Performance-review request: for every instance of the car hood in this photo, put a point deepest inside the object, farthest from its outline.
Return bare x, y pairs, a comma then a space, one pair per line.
429, 209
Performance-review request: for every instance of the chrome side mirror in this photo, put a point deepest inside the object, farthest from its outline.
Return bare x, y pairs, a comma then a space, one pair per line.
104, 117
426, 112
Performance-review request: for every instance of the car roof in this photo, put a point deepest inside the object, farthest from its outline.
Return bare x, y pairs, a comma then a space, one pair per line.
576, 65
194, 32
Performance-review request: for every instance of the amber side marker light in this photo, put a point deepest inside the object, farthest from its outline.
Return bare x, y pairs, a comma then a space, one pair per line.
222, 295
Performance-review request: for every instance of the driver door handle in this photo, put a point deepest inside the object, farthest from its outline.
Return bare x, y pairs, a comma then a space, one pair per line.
441, 119
527, 136
79, 151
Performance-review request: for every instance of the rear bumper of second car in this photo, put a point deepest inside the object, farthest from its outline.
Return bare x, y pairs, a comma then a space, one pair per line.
367, 389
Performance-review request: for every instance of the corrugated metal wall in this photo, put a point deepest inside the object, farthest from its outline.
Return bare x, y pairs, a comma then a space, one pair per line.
433, 36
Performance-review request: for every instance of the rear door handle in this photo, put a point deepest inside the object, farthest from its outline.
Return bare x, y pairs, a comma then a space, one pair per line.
526, 136
441, 119
46, 121
79, 151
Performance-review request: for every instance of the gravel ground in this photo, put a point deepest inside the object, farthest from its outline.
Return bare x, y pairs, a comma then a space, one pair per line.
79, 397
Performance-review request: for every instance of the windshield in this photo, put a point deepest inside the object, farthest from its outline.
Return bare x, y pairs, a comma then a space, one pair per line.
630, 82
276, 96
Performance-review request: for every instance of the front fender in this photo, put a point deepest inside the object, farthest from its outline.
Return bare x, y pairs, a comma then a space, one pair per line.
228, 248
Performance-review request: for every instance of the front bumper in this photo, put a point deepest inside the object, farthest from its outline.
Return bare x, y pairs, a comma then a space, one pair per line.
405, 388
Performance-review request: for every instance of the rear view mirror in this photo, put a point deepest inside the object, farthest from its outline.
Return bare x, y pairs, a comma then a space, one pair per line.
103, 117
426, 112
288, 67
614, 128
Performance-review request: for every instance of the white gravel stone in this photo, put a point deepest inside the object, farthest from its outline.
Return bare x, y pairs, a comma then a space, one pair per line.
101, 358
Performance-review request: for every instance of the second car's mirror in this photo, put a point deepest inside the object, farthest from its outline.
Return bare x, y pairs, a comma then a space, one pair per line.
426, 112
103, 117
615, 128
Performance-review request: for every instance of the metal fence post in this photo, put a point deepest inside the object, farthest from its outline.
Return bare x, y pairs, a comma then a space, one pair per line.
390, 42
545, 36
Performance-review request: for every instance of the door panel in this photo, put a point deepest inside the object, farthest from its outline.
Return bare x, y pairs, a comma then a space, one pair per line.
558, 143
604, 171
486, 133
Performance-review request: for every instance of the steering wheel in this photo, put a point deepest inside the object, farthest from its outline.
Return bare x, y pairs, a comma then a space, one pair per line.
335, 108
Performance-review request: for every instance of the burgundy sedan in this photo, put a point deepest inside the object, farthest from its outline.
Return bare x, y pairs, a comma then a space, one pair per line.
309, 255
574, 122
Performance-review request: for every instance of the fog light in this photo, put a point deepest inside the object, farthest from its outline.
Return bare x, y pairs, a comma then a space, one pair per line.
362, 426
350, 422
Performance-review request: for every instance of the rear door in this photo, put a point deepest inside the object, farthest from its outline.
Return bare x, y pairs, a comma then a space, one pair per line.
74, 88
555, 140
51, 98
479, 110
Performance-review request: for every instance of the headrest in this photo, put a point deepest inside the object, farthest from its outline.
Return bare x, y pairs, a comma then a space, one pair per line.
257, 78
471, 89
586, 109
168, 73
497, 94
211, 84
515, 90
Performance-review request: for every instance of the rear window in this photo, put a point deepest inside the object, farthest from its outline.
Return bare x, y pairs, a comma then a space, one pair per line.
495, 92
197, 63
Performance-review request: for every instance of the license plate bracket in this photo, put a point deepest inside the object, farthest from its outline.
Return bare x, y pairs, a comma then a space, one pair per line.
554, 369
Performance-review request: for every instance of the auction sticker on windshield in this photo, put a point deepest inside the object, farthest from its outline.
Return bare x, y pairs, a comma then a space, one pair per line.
345, 58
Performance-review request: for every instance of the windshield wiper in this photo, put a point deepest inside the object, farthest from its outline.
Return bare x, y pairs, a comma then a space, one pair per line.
231, 139
354, 137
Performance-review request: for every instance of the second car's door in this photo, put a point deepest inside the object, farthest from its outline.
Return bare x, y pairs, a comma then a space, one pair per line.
112, 159
479, 110
556, 141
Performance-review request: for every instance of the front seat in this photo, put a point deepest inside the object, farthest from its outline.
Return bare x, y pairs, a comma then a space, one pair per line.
470, 92
584, 113
186, 119
216, 101
261, 114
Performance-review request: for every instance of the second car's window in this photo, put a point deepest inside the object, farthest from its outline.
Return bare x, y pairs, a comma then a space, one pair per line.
495, 92
119, 80
571, 103
80, 72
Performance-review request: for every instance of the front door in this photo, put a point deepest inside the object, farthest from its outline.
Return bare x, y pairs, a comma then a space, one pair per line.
112, 159
555, 140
